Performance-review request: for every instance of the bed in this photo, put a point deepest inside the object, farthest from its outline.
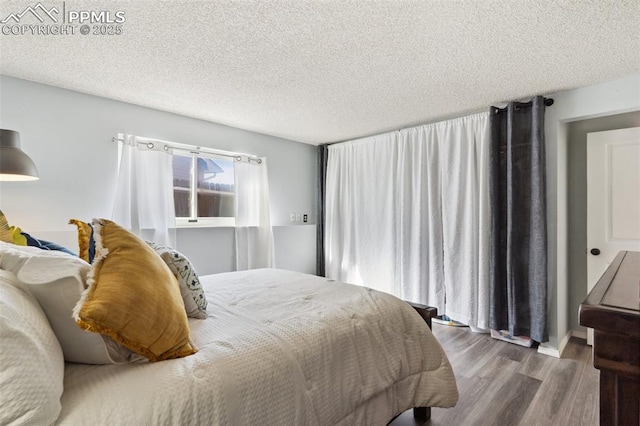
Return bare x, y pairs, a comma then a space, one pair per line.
277, 348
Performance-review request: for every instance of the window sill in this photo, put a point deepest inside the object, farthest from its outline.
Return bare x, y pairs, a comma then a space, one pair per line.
218, 222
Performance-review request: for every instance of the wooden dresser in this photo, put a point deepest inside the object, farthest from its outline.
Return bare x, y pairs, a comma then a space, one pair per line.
612, 309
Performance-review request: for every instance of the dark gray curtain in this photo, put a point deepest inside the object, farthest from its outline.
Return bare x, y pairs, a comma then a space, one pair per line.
518, 250
323, 151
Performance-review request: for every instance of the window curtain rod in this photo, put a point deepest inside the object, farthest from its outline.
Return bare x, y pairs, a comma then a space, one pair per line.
151, 144
547, 102
518, 105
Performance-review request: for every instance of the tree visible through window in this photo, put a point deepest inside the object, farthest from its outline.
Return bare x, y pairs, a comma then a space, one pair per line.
203, 188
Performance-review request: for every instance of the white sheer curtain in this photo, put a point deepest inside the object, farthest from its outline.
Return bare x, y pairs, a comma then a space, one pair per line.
464, 159
254, 236
144, 194
407, 213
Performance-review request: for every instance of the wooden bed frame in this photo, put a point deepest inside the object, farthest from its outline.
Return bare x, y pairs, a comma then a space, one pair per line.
423, 414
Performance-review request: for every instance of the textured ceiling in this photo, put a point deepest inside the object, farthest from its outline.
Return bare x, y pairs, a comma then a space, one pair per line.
325, 71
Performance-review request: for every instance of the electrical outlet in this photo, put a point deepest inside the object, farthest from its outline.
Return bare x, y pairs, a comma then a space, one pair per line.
305, 218
298, 217
292, 218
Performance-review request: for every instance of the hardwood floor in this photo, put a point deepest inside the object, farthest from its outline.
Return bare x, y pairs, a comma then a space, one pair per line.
505, 384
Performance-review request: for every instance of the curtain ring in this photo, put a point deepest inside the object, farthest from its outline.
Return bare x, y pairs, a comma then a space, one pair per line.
238, 158
259, 160
166, 148
150, 145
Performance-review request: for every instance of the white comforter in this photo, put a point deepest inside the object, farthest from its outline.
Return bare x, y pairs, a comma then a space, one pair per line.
278, 348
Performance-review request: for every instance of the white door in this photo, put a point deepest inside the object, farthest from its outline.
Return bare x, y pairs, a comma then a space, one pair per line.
613, 199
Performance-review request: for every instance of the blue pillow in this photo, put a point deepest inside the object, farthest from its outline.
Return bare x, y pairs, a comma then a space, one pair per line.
92, 247
47, 245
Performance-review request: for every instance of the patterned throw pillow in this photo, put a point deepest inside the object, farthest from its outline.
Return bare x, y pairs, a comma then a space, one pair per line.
195, 302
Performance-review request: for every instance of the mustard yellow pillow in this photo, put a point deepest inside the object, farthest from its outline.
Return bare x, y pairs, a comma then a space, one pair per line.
133, 297
11, 234
84, 235
18, 238
5, 230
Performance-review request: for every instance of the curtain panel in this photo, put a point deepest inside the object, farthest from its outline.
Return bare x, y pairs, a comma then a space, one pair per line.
407, 213
323, 152
518, 250
144, 192
253, 232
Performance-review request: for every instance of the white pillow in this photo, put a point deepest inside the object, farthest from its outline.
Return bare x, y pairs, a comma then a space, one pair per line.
56, 279
31, 361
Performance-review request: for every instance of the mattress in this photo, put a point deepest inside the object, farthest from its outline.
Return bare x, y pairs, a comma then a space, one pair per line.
278, 348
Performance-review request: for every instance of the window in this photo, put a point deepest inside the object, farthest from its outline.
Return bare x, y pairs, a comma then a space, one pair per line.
203, 190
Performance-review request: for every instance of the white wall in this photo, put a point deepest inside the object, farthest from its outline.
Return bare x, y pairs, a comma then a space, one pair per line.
68, 135
599, 100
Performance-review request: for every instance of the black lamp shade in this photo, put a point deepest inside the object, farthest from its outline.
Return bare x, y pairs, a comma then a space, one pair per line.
15, 165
